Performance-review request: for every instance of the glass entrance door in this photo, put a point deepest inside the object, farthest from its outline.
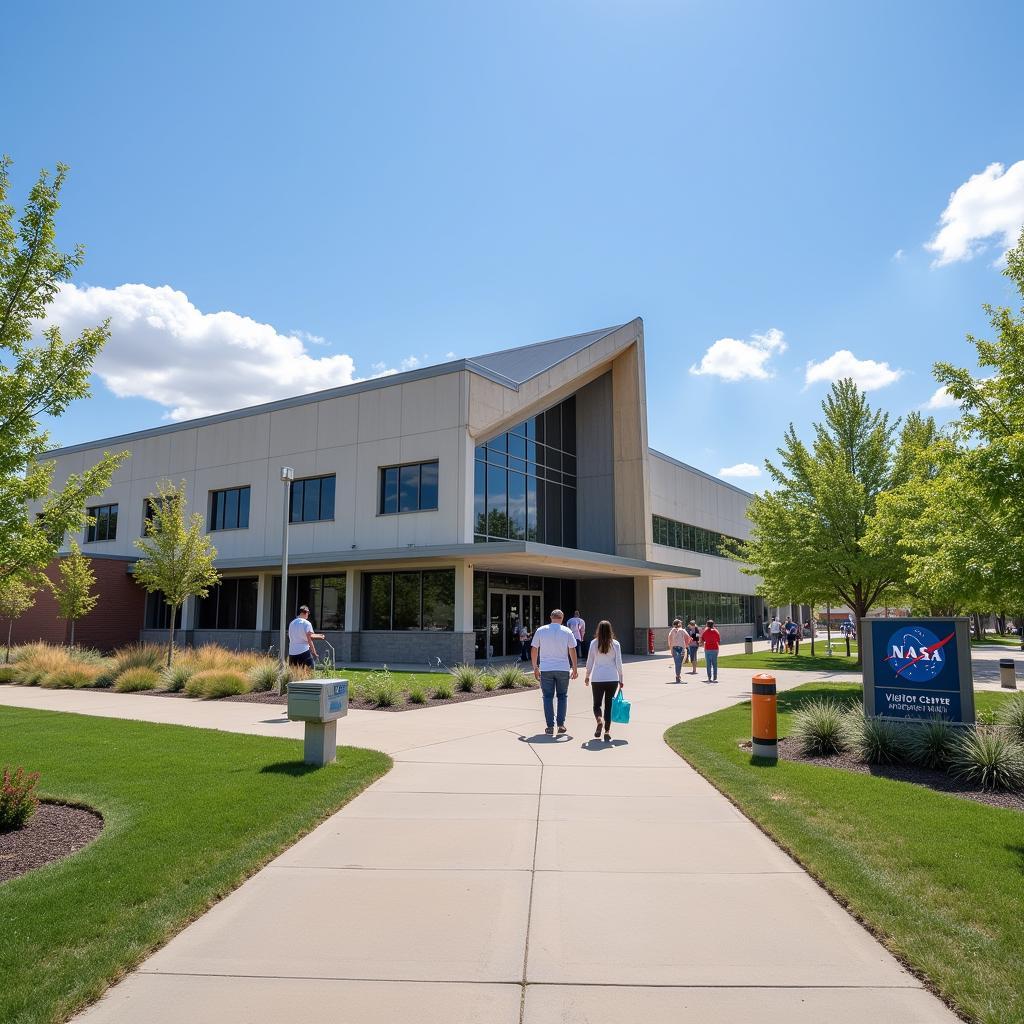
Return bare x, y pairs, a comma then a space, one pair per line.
510, 611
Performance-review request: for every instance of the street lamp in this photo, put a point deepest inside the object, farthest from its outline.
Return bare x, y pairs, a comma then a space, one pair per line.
287, 476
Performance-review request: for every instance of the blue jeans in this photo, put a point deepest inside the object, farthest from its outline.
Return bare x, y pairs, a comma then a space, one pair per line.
552, 684
677, 657
711, 661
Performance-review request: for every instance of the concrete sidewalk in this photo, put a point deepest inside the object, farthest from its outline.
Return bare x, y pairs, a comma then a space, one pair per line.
498, 876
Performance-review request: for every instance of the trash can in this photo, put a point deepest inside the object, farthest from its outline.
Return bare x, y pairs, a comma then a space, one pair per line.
319, 703
748, 645
1007, 674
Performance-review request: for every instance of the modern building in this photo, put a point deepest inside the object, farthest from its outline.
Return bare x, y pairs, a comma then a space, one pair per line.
434, 511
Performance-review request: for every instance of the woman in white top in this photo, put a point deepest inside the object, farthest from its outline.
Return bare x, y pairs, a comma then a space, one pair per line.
604, 670
678, 641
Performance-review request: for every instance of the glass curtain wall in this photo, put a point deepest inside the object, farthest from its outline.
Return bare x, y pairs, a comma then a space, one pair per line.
525, 481
701, 605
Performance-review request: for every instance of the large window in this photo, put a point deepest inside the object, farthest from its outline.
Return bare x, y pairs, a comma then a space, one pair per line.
409, 488
525, 480
323, 595
231, 604
104, 525
701, 605
312, 499
409, 600
229, 509
158, 612
692, 538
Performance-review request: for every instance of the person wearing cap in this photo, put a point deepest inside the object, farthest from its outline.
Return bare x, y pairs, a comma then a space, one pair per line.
301, 650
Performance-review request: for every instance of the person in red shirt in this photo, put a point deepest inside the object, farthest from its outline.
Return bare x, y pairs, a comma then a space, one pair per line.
711, 640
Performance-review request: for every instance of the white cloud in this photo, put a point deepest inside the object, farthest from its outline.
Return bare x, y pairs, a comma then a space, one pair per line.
898, 255
740, 469
732, 359
942, 399
988, 206
193, 363
868, 374
409, 363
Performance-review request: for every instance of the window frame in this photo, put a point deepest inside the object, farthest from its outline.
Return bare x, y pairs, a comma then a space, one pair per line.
391, 575
292, 521
212, 507
92, 529
396, 470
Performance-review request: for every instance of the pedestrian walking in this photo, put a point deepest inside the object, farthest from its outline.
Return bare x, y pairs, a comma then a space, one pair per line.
678, 641
790, 631
524, 643
798, 635
553, 650
604, 671
711, 641
692, 645
775, 633
579, 630
301, 649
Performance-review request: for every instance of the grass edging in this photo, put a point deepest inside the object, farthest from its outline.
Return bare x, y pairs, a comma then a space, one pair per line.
937, 895
189, 815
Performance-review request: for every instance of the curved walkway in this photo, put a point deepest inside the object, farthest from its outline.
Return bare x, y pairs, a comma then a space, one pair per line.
498, 876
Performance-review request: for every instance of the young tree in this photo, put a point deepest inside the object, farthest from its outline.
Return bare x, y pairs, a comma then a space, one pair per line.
73, 590
38, 376
16, 597
177, 559
808, 535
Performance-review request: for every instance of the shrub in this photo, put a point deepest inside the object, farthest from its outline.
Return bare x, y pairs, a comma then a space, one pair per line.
264, 676
138, 678
873, 739
417, 692
488, 682
39, 661
8, 673
138, 656
466, 677
443, 689
217, 682
509, 677
175, 678
72, 677
382, 689
1010, 716
18, 800
989, 757
818, 727
930, 743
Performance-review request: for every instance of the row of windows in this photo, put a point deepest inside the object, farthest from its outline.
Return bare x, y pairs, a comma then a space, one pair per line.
701, 605
409, 600
324, 596
692, 538
409, 488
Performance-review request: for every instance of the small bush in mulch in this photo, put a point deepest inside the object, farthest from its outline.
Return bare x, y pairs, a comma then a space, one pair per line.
819, 727
1010, 716
134, 679
510, 676
443, 689
382, 690
264, 677
216, 682
466, 677
18, 800
930, 744
990, 758
874, 740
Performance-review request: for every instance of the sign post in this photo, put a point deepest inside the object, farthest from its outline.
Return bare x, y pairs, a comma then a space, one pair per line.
917, 669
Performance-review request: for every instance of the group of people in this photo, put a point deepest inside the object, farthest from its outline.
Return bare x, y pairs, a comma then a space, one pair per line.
685, 642
785, 637
576, 625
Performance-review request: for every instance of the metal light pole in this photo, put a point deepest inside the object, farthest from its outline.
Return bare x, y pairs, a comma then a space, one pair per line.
287, 476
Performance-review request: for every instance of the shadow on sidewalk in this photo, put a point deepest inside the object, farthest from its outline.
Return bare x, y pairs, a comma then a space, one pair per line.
544, 738
603, 744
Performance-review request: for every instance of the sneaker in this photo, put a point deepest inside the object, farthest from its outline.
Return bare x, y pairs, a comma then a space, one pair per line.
597, 731
549, 731
561, 729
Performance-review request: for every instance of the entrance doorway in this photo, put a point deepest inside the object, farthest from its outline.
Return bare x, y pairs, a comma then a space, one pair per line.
508, 612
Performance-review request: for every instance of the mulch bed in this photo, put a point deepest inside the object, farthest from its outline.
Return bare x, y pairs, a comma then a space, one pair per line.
938, 781
54, 832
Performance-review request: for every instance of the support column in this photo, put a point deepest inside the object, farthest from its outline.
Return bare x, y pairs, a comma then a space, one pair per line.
353, 615
464, 609
644, 613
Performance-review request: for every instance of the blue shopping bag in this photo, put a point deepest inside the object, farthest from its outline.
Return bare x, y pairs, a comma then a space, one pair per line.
620, 709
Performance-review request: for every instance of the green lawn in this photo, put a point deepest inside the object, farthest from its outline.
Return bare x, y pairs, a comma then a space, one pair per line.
937, 877
189, 814
802, 662
355, 676
1004, 640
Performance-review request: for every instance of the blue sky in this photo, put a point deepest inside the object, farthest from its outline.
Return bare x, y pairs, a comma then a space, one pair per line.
353, 187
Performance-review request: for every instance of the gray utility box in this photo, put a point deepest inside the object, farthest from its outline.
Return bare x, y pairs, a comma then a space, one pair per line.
319, 703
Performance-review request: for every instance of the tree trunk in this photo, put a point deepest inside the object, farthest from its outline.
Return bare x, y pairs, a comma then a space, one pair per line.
10, 627
170, 636
860, 612
810, 622
72, 632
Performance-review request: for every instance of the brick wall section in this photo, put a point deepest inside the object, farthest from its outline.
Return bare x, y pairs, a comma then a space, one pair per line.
114, 622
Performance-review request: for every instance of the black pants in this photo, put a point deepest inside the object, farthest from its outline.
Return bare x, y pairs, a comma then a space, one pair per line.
604, 692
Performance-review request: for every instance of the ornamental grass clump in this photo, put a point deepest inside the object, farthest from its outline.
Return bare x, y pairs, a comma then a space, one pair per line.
382, 689
818, 728
39, 661
138, 656
443, 689
217, 682
138, 678
874, 740
18, 800
264, 676
1010, 717
72, 677
466, 677
511, 676
417, 691
989, 757
930, 743
8, 673
487, 682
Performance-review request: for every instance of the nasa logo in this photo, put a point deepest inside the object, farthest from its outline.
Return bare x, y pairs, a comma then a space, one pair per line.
916, 654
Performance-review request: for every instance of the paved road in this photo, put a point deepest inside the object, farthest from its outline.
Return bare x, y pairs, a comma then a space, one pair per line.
496, 876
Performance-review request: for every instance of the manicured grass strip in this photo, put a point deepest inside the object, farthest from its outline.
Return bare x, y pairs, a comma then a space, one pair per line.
189, 814
802, 662
355, 676
937, 877
1001, 640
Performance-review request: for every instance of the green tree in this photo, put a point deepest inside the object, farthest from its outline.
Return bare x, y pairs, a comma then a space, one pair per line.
73, 589
16, 597
38, 376
177, 557
809, 535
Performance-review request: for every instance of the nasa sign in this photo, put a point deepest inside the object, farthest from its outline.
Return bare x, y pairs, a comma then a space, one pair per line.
917, 668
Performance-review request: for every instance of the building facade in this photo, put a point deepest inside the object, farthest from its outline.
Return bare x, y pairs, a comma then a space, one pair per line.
433, 512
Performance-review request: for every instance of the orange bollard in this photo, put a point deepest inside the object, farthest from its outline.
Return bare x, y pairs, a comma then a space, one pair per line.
764, 722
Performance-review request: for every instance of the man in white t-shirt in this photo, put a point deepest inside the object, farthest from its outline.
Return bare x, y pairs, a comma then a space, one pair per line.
553, 650
301, 650
775, 632
578, 628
